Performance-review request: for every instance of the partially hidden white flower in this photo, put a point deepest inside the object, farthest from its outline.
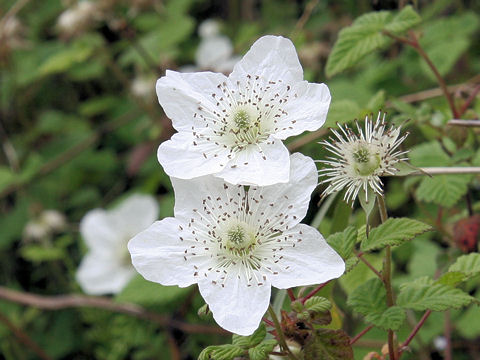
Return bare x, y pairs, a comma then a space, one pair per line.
236, 243
233, 127
77, 18
360, 159
106, 268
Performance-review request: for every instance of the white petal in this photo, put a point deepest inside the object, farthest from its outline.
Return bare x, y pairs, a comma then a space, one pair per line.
213, 51
99, 274
181, 159
236, 307
99, 232
290, 199
311, 261
306, 112
134, 214
180, 95
158, 254
263, 164
191, 194
272, 58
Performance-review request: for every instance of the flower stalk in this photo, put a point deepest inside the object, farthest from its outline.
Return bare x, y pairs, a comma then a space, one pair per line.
280, 335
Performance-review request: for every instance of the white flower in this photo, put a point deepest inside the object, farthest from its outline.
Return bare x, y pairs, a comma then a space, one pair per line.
237, 243
360, 159
232, 127
216, 53
54, 219
106, 268
78, 18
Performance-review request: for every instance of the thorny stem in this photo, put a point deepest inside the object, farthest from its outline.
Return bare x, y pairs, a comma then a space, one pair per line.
415, 330
314, 291
280, 337
387, 278
413, 42
360, 334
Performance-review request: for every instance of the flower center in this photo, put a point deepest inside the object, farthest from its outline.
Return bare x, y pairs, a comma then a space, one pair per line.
241, 119
365, 162
239, 239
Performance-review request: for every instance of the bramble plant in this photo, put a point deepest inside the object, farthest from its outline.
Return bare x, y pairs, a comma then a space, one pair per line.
317, 197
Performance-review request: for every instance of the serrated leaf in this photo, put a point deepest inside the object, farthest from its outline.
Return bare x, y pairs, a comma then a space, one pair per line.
328, 344
438, 297
469, 265
370, 297
343, 242
318, 304
444, 190
404, 20
392, 318
221, 352
366, 35
370, 300
451, 278
394, 232
429, 154
262, 350
252, 340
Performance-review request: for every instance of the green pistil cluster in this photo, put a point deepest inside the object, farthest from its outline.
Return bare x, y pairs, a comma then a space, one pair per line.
242, 119
365, 162
239, 240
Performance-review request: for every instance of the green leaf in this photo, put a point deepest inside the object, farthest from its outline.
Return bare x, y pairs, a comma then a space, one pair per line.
252, 340
394, 232
366, 35
328, 344
143, 292
469, 265
444, 190
7, 177
262, 350
369, 297
377, 101
343, 242
404, 20
451, 278
38, 253
423, 294
221, 352
318, 304
429, 154
342, 111
392, 318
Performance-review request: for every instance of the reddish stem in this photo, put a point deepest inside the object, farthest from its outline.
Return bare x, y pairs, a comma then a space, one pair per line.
291, 295
314, 291
370, 266
268, 322
470, 99
415, 330
360, 334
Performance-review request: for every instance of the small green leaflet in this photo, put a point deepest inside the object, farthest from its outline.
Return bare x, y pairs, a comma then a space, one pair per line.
393, 232
469, 265
221, 352
366, 35
252, 340
424, 294
370, 300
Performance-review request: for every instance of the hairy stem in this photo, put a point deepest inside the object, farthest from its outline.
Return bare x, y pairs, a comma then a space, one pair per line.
280, 336
387, 278
314, 291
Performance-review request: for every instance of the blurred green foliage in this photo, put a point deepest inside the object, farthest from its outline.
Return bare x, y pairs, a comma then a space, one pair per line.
76, 135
